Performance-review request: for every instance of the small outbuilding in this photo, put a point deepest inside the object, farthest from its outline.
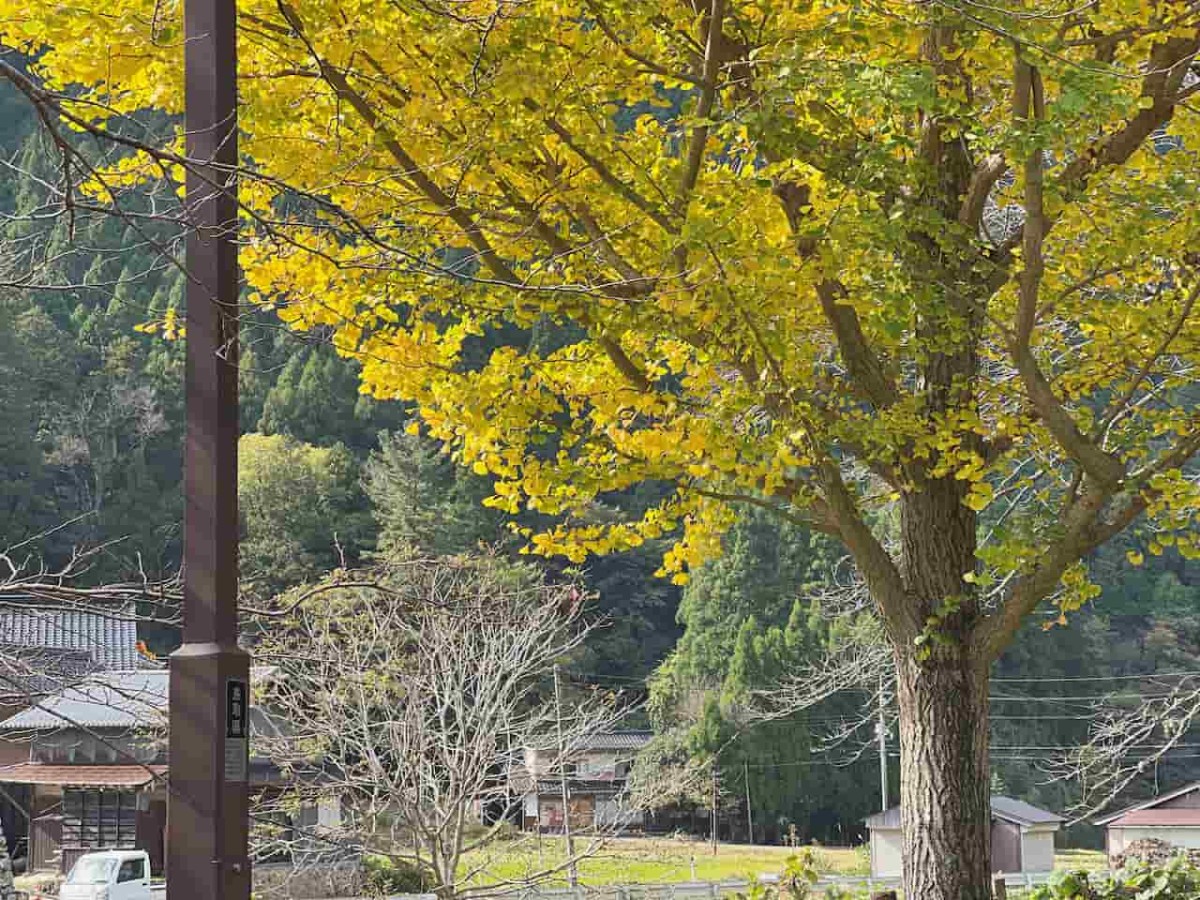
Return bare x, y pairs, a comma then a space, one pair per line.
1173, 817
1022, 839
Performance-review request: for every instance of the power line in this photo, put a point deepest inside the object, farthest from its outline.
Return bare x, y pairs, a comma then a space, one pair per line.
1015, 755
1073, 698
1040, 679
1049, 718
1148, 675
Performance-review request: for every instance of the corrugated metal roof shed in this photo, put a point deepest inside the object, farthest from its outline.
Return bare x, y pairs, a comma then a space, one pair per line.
1022, 813
1016, 811
120, 700
34, 672
1184, 817
1148, 804
109, 636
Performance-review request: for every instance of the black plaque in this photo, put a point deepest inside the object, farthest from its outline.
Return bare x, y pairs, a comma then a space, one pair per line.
237, 708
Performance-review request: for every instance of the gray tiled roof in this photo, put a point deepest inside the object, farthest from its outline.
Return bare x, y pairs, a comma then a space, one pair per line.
1017, 811
614, 740
110, 636
106, 700
136, 699
30, 673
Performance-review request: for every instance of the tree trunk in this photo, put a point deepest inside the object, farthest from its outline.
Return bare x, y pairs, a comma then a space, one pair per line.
944, 775
7, 889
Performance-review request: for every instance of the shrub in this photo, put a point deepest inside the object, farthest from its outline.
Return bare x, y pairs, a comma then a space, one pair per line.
1176, 880
386, 876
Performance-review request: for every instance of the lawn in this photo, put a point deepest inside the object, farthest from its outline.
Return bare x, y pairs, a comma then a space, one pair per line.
651, 860
1081, 860
672, 860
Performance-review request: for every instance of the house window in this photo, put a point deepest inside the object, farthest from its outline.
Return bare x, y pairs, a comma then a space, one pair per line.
99, 819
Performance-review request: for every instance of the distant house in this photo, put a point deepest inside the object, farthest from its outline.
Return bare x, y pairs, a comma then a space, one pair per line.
1022, 839
45, 646
93, 770
597, 770
95, 776
1173, 817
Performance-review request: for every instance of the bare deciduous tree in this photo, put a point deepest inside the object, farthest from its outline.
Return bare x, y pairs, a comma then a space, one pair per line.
410, 699
1127, 742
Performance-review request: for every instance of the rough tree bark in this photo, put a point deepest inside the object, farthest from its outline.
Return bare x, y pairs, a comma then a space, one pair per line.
7, 889
944, 780
942, 687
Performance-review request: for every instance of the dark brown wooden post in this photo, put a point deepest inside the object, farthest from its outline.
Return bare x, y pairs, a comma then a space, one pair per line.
207, 813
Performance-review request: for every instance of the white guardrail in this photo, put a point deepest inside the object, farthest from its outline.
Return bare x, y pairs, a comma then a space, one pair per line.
717, 890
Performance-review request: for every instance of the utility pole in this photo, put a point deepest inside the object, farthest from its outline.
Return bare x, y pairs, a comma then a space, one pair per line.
881, 736
749, 811
713, 824
572, 868
207, 815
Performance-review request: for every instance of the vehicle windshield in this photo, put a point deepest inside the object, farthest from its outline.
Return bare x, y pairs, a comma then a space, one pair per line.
91, 870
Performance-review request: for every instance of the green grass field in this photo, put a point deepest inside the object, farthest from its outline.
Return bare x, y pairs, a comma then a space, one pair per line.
648, 860
673, 860
1081, 860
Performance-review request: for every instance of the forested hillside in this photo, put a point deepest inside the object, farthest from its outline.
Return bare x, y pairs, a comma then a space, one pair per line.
90, 456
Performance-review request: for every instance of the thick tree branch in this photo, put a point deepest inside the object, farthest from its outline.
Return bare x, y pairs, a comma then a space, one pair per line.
704, 107
995, 632
623, 189
878, 569
1029, 110
865, 369
983, 179
867, 374
1162, 93
413, 171
624, 364
1084, 530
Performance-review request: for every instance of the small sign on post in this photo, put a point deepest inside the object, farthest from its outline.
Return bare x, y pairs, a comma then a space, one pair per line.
237, 716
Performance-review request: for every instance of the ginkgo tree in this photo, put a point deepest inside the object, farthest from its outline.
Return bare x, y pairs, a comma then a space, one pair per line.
921, 273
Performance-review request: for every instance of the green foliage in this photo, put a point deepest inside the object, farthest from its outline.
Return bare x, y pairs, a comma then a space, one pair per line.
315, 399
424, 502
796, 881
1177, 880
303, 511
387, 876
21, 455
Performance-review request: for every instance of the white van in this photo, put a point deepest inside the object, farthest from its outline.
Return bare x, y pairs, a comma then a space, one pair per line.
109, 875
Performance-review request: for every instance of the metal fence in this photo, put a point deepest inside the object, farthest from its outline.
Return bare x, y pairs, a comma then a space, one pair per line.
1017, 884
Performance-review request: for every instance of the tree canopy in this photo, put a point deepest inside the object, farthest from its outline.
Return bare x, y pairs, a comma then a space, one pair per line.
787, 237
